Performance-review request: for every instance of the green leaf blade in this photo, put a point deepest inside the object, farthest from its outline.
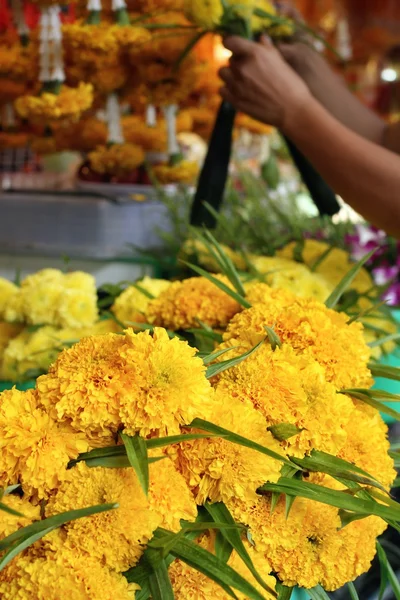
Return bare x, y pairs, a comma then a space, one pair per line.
136, 450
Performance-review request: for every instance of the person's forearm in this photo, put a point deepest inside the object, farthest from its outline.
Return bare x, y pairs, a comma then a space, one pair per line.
365, 175
331, 91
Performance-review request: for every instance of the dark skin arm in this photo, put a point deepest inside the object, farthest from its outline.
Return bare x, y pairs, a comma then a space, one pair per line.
260, 83
330, 90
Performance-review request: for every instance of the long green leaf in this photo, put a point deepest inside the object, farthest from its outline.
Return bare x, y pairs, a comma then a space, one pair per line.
347, 280
367, 399
318, 593
113, 454
322, 462
353, 591
214, 568
284, 592
394, 337
21, 545
220, 284
223, 549
224, 365
215, 355
383, 562
388, 571
160, 583
384, 371
53, 523
339, 499
220, 513
9, 510
136, 450
240, 440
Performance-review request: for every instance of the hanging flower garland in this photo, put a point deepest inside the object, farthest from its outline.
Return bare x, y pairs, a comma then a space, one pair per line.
117, 158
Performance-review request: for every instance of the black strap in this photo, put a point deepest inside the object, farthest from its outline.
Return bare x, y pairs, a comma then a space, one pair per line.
213, 177
323, 196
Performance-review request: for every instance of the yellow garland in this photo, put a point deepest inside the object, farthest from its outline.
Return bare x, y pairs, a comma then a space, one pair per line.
183, 172
117, 159
68, 106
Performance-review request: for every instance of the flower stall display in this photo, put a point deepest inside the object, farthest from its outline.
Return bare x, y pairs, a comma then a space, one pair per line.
144, 55
232, 447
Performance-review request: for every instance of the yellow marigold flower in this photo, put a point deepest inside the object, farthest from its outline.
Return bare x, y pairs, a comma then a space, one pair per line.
159, 47
217, 470
77, 309
333, 268
246, 9
292, 276
10, 523
193, 247
169, 495
308, 547
128, 36
166, 85
85, 384
109, 78
116, 538
35, 450
62, 574
186, 302
130, 307
169, 387
92, 133
315, 331
35, 351
287, 388
183, 172
98, 38
367, 444
67, 106
8, 331
189, 583
41, 303
151, 139
145, 384
116, 159
204, 13
79, 280
17, 62
262, 293
7, 291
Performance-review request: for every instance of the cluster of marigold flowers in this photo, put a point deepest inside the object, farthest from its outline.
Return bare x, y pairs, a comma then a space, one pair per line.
47, 311
154, 385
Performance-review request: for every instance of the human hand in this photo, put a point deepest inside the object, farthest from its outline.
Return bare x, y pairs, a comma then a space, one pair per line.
260, 83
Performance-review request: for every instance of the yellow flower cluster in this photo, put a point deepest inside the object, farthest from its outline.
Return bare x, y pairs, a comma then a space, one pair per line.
321, 270
116, 159
50, 310
50, 297
153, 139
182, 172
154, 385
184, 304
209, 14
18, 63
68, 106
131, 306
